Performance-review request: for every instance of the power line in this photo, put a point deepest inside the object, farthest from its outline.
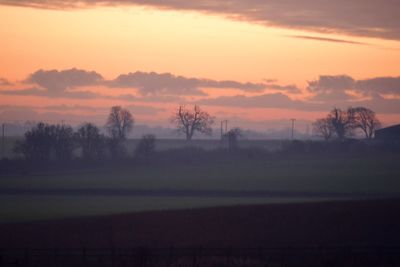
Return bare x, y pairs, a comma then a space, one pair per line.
293, 120
222, 127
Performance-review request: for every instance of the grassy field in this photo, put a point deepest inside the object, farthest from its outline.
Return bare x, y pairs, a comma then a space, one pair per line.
290, 174
161, 145
296, 173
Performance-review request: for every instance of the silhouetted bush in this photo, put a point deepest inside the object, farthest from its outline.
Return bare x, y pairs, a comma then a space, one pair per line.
62, 141
44, 142
146, 147
92, 143
232, 136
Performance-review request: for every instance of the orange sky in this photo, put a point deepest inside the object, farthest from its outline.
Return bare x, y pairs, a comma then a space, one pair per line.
119, 40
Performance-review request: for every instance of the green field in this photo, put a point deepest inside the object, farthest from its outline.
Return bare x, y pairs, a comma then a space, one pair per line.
351, 174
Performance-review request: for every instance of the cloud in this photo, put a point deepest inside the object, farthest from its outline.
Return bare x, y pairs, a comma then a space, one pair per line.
151, 83
329, 82
34, 91
324, 39
381, 105
135, 109
281, 101
285, 88
327, 91
68, 113
276, 100
381, 85
56, 81
329, 87
158, 98
152, 86
370, 18
337, 86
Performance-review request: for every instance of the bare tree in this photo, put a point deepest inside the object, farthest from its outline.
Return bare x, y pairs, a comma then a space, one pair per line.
323, 127
342, 122
366, 120
119, 123
191, 121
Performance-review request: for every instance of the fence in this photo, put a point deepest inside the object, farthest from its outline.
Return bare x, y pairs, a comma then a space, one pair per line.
198, 257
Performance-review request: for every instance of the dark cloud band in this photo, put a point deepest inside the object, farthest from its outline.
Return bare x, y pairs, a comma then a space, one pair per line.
168, 84
371, 18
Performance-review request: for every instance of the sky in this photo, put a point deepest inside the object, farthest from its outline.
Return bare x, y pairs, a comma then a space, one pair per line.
256, 63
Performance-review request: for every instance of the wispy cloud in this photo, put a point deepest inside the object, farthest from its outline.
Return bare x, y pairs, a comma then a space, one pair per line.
369, 18
135, 109
34, 91
325, 39
291, 88
280, 101
276, 100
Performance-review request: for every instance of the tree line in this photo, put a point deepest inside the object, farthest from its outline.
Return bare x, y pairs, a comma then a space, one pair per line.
47, 141
342, 124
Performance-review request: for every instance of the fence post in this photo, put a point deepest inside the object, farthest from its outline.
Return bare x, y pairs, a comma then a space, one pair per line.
194, 257
84, 256
26, 256
228, 257
55, 256
170, 256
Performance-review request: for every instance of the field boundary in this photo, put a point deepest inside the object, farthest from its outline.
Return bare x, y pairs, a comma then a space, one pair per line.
187, 193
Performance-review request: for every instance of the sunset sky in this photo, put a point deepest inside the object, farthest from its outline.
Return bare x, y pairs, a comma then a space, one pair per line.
256, 63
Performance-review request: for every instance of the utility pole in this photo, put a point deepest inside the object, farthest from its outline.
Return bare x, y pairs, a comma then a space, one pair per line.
222, 130
2, 141
293, 120
222, 127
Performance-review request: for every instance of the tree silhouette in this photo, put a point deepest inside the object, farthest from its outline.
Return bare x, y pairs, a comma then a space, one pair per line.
232, 135
63, 141
146, 146
342, 122
191, 121
323, 127
90, 140
366, 120
119, 123
45, 141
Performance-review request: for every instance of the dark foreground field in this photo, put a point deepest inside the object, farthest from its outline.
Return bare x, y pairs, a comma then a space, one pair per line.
337, 233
